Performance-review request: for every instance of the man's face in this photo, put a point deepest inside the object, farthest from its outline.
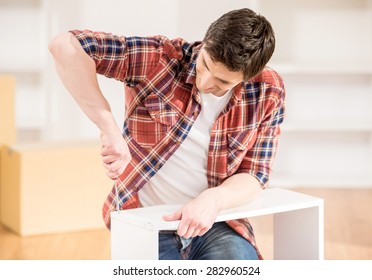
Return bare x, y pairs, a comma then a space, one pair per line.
214, 77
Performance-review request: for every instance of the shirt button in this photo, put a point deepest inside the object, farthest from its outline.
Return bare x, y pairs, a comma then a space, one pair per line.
195, 114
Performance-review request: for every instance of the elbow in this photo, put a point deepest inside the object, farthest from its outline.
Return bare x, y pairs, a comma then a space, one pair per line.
55, 44
62, 45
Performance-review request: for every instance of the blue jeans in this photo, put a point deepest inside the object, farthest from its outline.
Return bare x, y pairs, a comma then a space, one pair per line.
220, 243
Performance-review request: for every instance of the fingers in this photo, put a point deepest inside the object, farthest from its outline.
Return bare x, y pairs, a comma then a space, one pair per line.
113, 165
108, 159
192, 222
174, 216
115, 169
192, 228
114, 174
187, 229
192, 231
203, 231
115, 152
114, 161
112, 151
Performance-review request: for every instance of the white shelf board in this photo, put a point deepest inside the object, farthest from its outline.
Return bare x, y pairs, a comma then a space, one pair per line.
270, 201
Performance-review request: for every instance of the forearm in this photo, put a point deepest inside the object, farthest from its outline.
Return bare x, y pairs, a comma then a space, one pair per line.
77, 71
236, 190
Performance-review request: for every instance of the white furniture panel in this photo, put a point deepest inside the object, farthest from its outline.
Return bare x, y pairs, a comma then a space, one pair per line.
298, 226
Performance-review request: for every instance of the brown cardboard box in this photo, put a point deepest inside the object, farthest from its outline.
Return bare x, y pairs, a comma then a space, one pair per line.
7, 110
52, 187
7, 113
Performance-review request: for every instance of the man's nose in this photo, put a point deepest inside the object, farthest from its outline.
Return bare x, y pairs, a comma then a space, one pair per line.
206, 81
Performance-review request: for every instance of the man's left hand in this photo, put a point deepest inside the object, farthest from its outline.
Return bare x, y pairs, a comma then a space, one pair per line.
197, 216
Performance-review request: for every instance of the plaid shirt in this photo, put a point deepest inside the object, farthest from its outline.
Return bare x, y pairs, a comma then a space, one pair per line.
162, 104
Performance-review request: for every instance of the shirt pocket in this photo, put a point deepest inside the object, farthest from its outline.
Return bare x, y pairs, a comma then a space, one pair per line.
238, 145
151, 121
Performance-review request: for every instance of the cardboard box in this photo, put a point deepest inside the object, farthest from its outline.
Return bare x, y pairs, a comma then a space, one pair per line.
52, 187
7, 113
7, 110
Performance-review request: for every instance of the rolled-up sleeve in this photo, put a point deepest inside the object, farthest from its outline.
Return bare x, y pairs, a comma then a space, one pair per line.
259, 158
127, 59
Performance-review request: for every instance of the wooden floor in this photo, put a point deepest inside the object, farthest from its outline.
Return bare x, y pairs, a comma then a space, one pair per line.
348, 233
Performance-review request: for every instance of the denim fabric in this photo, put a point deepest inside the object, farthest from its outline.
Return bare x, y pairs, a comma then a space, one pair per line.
220, 243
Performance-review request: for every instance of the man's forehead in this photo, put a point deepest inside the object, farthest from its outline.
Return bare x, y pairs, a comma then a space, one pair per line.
219, 70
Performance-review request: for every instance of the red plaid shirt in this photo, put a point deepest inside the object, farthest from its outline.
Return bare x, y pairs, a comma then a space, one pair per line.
162, 104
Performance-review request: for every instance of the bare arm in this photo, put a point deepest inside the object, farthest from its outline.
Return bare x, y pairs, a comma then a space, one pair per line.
199, 214
77, 70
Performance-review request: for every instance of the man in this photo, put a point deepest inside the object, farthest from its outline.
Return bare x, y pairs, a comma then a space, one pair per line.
201, 127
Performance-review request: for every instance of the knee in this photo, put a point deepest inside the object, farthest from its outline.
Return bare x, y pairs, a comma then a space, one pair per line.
240, 249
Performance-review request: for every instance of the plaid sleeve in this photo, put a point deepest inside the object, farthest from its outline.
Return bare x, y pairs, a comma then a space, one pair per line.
260, 157
127, 59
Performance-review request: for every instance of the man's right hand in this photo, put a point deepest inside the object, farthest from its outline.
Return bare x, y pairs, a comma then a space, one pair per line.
115, 153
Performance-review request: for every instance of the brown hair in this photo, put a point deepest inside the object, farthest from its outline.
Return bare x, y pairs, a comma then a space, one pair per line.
242, 41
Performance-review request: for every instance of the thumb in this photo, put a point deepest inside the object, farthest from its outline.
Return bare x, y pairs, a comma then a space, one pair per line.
174, 216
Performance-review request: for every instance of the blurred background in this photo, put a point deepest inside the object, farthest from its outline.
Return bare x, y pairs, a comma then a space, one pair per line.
324, 54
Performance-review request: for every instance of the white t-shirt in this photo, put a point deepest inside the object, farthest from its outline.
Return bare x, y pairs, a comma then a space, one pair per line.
184, 175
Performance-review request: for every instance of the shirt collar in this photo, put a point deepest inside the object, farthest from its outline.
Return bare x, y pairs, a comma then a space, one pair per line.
191, 71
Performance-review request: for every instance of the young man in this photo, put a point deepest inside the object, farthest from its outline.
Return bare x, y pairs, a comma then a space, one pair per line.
201, 127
